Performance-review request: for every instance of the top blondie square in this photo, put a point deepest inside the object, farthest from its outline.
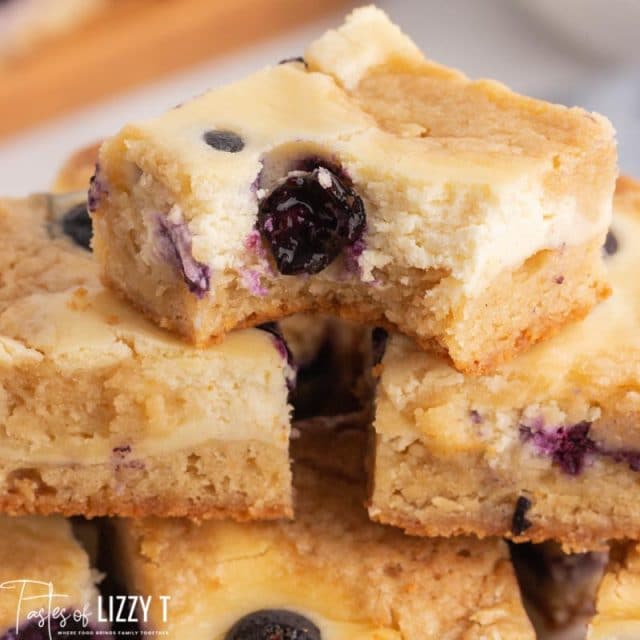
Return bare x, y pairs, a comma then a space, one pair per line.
367, 181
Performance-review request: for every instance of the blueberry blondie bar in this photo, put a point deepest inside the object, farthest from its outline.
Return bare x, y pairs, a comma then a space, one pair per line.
103, 413
618, 602
330, 575
367, 181
45, 246
47, 586
548, 447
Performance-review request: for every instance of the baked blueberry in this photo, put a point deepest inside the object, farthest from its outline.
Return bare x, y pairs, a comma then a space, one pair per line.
519, 522
273, 624
611, 244
628, 456
308, 219
76, 224
274, 329
299, 59
222, 140
97, 189
568, 447
175, 245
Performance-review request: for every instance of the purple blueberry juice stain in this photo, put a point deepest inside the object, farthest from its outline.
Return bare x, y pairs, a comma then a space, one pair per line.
283, 349
253, 242
571, 447
310, 217
352, 255
568, 447
624, 456
98, 189
252, 281
475, 417
175, 246
559, 279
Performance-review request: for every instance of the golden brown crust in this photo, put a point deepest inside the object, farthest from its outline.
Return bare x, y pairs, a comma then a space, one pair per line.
464, 494
141, 508
572, 541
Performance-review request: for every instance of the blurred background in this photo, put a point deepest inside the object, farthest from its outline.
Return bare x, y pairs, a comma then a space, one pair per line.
73, 71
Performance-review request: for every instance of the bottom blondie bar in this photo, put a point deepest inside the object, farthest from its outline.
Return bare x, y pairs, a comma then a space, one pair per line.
331, 574
103, 414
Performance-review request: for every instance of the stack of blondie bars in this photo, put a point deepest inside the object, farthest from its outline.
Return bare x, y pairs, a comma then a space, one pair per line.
466, 369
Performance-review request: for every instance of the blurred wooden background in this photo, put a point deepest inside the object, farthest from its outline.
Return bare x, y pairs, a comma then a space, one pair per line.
133, 42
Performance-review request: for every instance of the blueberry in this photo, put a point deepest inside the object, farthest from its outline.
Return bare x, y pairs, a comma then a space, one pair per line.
97, 189
519, 521
568, 447
274, 329
224, 140
625, 456
174, 240
610, 244
31, 630
299, 59
76, 224
273, 624
283, 348
308, 219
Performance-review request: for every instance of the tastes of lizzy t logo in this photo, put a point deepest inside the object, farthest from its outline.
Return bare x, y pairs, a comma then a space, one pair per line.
39, 605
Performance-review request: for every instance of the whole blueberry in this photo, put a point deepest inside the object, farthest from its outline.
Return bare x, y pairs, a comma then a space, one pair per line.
299, 59
308, 219
76, 224
519, 522
221, 140
273, 624
611, 244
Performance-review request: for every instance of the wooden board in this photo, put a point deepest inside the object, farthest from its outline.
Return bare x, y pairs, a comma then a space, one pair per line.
136, 41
